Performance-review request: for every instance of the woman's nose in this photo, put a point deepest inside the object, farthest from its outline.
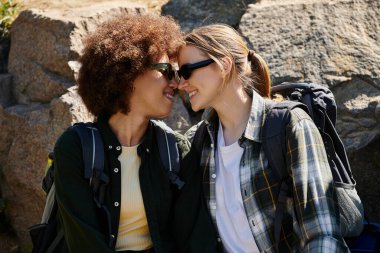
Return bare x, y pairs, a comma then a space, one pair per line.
173, 84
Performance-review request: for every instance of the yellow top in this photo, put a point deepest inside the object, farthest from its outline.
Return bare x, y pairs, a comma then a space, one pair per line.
133, 226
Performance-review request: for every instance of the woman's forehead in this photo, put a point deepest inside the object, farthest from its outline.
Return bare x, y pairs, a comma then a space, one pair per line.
188, 52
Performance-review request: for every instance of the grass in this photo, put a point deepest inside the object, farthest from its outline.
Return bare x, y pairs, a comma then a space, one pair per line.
8, 12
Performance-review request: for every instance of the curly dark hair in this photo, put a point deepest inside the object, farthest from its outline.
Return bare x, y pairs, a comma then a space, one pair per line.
117, 52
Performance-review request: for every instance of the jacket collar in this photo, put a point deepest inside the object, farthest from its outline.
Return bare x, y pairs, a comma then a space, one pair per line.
112, 143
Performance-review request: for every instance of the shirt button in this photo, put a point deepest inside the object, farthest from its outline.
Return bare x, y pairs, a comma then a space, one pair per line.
116, 170
212, 145
213, 175
147, 150
116, 204
118, 148
218, 239
110, 147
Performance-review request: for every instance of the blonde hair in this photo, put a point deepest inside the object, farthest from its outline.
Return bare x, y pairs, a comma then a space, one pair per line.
220, 40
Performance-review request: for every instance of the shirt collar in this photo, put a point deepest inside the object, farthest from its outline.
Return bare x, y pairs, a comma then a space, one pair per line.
255, 121
256, 118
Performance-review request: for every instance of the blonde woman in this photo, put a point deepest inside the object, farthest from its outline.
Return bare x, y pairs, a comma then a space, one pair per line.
229, 180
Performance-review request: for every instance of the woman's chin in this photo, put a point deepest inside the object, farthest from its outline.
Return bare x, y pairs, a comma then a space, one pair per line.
196, 108
161, 115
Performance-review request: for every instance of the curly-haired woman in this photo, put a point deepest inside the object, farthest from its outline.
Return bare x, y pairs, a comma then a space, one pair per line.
125, 80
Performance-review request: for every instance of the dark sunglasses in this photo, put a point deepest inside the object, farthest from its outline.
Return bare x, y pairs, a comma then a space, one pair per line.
167, 70
186, 69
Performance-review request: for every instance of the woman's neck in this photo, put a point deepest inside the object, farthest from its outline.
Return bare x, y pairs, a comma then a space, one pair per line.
129, 129
233, 112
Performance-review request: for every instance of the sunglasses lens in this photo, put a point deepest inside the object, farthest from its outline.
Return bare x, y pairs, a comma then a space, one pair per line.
187, 69
185, 72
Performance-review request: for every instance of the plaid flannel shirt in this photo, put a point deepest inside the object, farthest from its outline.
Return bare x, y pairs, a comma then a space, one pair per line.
311, 220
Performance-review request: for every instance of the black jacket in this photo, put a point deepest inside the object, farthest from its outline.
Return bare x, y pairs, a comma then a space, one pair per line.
85, 226
193, 227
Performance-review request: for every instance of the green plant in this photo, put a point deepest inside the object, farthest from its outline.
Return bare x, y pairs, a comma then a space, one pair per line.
8, 12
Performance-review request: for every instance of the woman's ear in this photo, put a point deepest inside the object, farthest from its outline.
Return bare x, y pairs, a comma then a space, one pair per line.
227, 64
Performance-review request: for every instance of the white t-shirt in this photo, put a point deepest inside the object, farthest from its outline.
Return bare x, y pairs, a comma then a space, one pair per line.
231, 219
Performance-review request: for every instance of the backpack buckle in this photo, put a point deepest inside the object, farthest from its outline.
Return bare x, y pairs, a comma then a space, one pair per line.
296, 95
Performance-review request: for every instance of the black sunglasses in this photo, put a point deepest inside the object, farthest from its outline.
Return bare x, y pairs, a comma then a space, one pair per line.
167, 70
186, 69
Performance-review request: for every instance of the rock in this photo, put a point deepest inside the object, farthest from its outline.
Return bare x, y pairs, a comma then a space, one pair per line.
179, 119
4, 51
193, 13
39, 59
377, 112
5, 90
365, 165
28, 135
357, 123
325, 42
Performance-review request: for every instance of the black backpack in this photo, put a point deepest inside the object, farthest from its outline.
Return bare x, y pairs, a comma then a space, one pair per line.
45, 236
320, 104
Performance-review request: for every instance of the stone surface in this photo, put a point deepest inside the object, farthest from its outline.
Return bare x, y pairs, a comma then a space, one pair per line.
324, 42
39, 59
366, 169
28, 135
193, 13
179, 118
6, 97
4, 51
357, 122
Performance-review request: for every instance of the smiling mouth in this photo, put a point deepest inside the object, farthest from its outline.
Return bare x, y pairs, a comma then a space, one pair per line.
169, 95
193, 93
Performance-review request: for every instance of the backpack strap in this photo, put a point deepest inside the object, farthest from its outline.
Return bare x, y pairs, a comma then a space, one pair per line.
199, 137
53, 246
274, 145
93, 160
92, 148
169, 154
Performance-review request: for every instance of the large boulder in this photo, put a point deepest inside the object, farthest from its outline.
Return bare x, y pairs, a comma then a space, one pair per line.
324, 42
336, 44
5, 90
28, 133
193, 13
46, 44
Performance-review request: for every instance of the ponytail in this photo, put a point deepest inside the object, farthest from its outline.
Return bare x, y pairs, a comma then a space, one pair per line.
260, 74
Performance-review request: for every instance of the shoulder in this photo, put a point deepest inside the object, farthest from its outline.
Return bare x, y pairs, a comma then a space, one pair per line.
302, 128
68, 139
299, 117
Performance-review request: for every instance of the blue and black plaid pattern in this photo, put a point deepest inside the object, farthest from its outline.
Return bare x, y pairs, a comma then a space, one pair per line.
311, 221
